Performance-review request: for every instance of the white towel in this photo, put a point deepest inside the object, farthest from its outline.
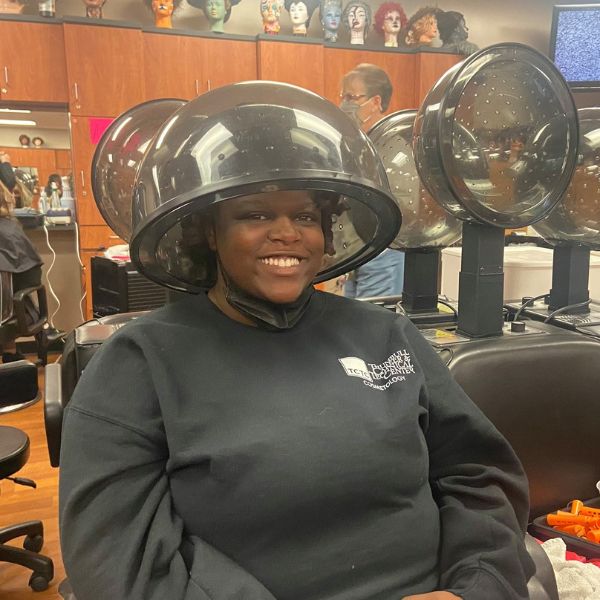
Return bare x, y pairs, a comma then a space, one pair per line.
576, 580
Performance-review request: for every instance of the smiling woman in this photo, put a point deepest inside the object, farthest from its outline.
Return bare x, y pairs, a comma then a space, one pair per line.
278, 442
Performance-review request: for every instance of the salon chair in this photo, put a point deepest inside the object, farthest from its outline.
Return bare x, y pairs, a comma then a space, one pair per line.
541, 392
14, 311
18, 382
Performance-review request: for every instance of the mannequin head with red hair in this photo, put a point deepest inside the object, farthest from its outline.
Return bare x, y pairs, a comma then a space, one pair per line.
390, 18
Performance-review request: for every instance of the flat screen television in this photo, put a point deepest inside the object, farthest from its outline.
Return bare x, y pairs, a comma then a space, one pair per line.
575, 44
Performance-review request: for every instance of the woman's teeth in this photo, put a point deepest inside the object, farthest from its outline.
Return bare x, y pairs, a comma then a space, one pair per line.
281, 261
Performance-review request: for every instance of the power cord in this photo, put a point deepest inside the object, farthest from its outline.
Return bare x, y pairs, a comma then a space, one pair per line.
51, 318
565, 309
527, 303
83, 297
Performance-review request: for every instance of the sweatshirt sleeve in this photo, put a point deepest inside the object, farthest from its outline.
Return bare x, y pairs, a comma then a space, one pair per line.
480, 488
121, 537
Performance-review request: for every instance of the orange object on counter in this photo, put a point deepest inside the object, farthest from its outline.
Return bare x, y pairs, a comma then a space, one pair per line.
581, 521
593, 535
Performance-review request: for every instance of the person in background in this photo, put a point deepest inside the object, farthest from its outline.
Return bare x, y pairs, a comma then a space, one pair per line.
7, 173
365, 96
56, 179
19, 257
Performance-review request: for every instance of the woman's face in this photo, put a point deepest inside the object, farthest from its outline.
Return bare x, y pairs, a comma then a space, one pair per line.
332, 16
357, 18
298, 13
163, 8
215, 9
271, 245
391, 22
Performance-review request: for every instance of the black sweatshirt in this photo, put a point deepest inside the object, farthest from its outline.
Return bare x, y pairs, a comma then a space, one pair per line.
206, 459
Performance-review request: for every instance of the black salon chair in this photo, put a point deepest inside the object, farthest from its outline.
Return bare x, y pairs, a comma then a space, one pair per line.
17, 315
541, 392
19, 381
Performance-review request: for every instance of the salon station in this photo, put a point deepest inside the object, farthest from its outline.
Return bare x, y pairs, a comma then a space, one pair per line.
460, 137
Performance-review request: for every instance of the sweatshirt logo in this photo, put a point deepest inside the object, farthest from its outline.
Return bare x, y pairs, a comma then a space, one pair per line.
380, 376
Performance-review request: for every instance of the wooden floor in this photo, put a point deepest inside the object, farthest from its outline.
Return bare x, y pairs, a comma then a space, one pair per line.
19, 503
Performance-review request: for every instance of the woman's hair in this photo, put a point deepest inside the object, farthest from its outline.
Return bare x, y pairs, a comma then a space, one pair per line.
6, 202
384, 9
229, 4
24, 194
53, 178
363, 5
376, 80
448, 21
417, 25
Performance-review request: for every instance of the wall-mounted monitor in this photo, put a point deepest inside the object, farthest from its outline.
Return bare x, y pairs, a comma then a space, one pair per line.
575, 44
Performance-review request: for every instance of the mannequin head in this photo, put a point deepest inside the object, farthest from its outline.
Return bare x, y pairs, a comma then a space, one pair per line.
452, 27
421, 29
93, 8
270, 11
14, 7
163, 11
357, 18
217, 12
331, 17
301, 12
390, 18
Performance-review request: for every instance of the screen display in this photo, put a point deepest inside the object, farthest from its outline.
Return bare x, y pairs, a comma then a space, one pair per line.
575, 43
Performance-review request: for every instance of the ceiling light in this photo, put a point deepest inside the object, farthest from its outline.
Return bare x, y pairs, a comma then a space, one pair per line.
19, 122
23, 111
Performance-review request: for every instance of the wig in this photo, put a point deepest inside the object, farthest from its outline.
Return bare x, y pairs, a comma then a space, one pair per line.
422, 21
363, 5
229, 4
311, 6
384, 9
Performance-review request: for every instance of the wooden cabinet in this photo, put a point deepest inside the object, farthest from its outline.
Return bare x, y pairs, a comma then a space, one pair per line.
430, 66
173, 65
105, 68
238, 55
292, 62
83, 152
185, 66
400, 68
32, 62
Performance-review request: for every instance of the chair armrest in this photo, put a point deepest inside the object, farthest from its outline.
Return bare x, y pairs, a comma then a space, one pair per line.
20, 309
53, 411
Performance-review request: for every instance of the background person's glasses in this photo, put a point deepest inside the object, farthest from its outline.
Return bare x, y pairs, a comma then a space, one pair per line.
351, 97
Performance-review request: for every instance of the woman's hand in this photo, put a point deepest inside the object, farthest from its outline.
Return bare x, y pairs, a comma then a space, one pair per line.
433, 596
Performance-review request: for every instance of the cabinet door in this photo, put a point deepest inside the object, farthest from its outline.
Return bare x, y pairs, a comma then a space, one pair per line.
105, 69
240, 57
297, 63
399, 67
82, 149
430, 67
173, 66
32, 62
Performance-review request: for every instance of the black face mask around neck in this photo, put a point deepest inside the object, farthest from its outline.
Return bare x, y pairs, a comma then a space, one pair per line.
265, 314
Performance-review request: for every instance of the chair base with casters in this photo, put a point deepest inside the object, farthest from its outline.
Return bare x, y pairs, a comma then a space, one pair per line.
14, 452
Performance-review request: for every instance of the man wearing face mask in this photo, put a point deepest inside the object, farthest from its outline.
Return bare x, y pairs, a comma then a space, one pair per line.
365, 96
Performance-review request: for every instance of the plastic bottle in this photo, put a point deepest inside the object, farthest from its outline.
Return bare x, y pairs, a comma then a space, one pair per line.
43, 204
47, 8
54, 198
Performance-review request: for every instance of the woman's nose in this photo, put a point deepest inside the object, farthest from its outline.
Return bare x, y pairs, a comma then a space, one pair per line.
284, 229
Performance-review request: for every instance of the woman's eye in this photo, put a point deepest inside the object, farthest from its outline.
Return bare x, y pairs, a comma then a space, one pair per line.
308, 218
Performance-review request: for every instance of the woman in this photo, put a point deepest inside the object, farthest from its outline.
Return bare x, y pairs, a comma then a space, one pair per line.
18, 257
260, 440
